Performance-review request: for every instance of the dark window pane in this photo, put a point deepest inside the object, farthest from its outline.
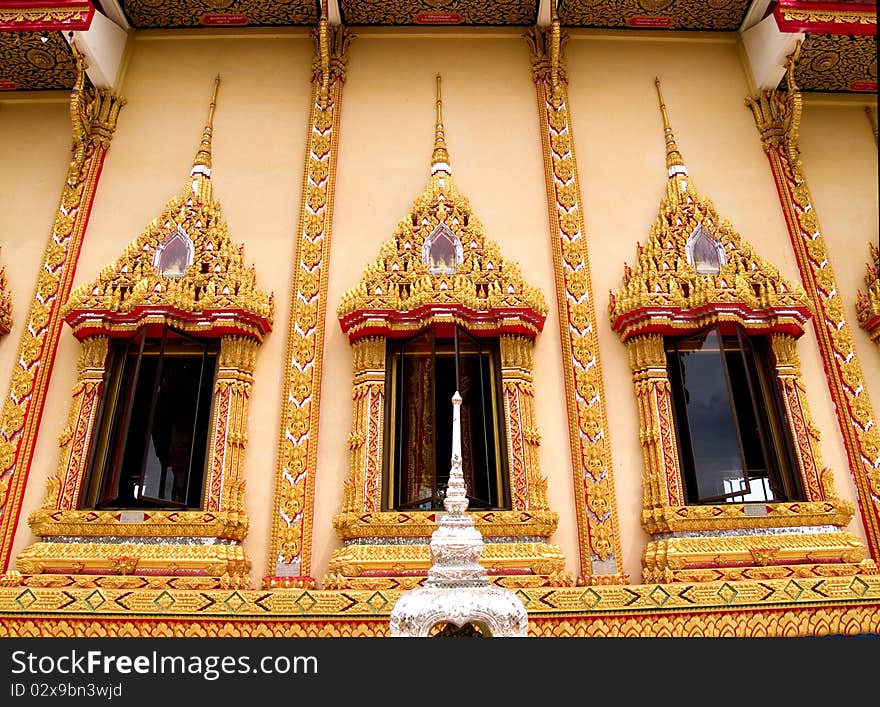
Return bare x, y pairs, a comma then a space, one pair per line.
425, 377
717, 463
733, 437
151, 451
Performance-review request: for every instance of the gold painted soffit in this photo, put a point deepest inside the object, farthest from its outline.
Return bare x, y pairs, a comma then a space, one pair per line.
476, 282
183, 270
868, 302
667, 289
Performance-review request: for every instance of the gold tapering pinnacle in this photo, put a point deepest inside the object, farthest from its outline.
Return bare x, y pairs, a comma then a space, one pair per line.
440, 156
673, 154
203, 155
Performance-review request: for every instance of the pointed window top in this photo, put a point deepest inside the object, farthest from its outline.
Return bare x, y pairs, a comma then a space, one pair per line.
442, 251
704, 252
174, 255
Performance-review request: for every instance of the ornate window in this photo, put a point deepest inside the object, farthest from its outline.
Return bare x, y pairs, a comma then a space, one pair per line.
733, 445
152, 429
150, 487
439, 281
734, 486
423, 373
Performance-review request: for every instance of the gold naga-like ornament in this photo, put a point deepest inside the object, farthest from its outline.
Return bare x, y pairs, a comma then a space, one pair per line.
5, 304
183, 270
440, 263
868, 302
695, 269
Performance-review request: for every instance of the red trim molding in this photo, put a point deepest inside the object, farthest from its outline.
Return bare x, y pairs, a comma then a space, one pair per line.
210, 322
40, 15
394, 324
826, 17
674, 320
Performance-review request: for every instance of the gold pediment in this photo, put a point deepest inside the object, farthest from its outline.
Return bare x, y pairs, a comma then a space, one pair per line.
694, 260
440, 256
184, 266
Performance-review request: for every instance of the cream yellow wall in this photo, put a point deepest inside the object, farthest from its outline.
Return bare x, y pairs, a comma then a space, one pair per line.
384, 152
36, 150
259, 142
490, 115
621, 158
839, 153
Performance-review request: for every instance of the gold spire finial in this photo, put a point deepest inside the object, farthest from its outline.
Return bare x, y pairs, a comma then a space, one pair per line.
202, 162
673, 155
440, 157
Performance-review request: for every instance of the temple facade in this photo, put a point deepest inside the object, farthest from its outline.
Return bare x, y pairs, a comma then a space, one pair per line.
249, 252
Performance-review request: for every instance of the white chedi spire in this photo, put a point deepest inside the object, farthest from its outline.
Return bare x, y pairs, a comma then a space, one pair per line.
458, 590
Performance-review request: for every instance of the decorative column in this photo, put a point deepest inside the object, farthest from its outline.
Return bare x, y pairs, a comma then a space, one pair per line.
599, 541
362, 491
232, 392
777, 116
63, 488
94, 114
290, 553
817, 481
662, 482
528, 488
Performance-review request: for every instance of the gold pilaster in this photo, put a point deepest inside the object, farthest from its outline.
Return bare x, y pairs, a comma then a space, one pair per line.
94, 114
777, 116
293, 508
595, 503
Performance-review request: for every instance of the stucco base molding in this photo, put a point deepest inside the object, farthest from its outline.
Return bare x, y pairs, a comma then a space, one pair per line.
405, 566
216, 566
755, 556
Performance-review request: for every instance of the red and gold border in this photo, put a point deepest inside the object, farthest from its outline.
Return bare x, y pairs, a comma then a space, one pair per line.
290, 550
599, 541
826, 18
777, 116
770, 607
46, 15
23, 408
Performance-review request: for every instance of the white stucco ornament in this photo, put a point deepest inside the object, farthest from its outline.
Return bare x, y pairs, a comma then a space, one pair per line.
457, 590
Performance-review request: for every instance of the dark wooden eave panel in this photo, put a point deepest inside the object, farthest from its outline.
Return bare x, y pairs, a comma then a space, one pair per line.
28, 63
439, 12
180, 14
837, 63
701, 15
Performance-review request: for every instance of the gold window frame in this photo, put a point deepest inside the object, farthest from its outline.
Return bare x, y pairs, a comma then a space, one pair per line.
399, 296
663, 295
216, 297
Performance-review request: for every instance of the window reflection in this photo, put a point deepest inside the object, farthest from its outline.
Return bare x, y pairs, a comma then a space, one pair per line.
734, 445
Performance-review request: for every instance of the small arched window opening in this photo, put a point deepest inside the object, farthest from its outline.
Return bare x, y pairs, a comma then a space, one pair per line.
174, 255
442, 251
704, 252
